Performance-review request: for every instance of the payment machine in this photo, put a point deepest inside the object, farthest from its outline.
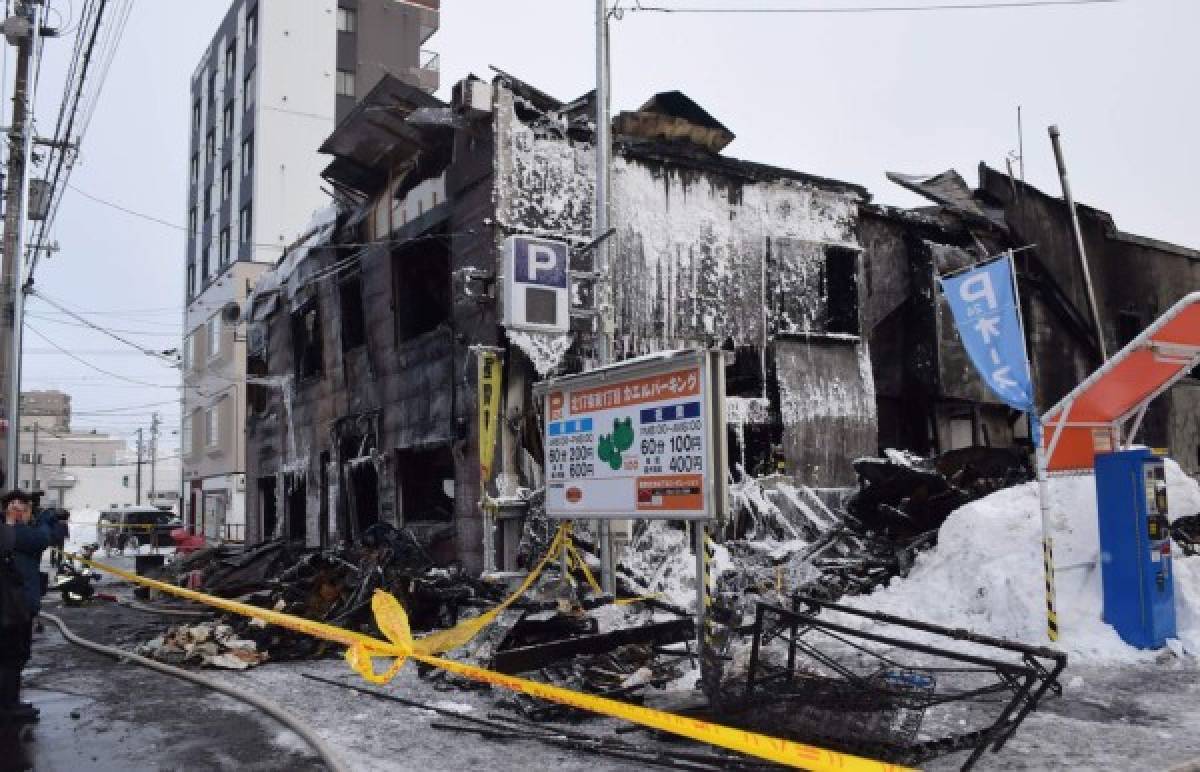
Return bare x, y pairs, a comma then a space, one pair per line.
1135, 547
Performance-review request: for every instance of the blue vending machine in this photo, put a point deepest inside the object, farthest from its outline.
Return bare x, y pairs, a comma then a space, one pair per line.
1135, 547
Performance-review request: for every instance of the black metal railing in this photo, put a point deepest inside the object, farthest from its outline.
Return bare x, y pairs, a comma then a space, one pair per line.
897, 689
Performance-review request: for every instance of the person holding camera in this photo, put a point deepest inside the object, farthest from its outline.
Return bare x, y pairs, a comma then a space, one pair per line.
23, 539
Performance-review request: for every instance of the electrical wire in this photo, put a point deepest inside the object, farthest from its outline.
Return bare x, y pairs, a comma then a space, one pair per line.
86, 363
979, 6
45, 318
163, 355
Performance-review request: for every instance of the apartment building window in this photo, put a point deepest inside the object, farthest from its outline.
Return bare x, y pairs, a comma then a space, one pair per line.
125, 480
212, 88
26, 458
210, 147
226, 182
196, 116
207, 202
252, 28
347, 20
212, 426
231, 58
204, 262
246, 225
62, 459
195, 170
93, 459
192, 222
189, 353
223, 247
248, 84
247, 155
214, 337
345, 83
185, 439
227, 120
191, 280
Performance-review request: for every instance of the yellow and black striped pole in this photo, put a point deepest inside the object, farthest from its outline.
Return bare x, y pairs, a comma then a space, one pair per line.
1047, 538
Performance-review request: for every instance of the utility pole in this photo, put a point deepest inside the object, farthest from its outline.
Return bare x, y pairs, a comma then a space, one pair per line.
1078, 235
139, 468
23, 30
153, 453
33, 480
603, 294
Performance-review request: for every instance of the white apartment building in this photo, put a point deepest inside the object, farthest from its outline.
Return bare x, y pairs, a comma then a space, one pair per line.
270, 86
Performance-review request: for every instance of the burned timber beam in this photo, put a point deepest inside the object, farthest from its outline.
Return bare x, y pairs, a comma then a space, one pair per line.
526, 658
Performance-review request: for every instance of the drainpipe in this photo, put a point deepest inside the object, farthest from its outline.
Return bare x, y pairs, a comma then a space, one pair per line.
1079, 249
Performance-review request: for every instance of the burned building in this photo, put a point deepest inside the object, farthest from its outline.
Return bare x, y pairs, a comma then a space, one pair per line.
364, 338
929, 396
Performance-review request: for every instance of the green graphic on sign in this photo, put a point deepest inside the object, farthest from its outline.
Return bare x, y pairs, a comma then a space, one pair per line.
611, 446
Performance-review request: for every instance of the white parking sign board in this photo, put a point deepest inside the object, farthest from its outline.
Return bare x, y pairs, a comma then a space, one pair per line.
644, 438
536, 284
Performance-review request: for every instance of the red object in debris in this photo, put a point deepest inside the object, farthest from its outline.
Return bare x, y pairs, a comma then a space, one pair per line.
195, 580
185, 542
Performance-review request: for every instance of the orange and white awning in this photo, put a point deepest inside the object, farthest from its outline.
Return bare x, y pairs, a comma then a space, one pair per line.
1104, 412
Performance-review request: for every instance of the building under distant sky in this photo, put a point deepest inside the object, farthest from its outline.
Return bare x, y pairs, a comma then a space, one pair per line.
269, 88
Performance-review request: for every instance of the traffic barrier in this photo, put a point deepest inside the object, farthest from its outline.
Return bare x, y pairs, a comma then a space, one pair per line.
391, 618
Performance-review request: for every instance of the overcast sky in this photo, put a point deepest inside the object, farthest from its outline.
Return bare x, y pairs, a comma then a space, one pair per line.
848, 96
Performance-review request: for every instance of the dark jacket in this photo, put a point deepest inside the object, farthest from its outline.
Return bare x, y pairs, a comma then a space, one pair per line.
30, 540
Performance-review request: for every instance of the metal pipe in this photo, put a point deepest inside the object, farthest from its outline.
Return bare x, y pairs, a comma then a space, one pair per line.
603, 294
16, 201
1078, 235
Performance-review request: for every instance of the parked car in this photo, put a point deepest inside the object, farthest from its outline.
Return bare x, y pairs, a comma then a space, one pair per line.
128, 528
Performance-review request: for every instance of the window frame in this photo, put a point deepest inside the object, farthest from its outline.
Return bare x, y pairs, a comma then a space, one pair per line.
214, 331
246, 224
223, 248
248, 155
345, 85
227, 182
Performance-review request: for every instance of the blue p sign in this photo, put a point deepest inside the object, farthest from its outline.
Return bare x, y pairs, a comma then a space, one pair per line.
540, 262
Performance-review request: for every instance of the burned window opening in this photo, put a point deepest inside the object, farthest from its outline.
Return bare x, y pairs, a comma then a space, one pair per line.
306, 340
363, 481
745, 376
323, 510
297, 514
421, 288
1129, 326
354, 328
256, 367
841, 290
268, 511
421, 476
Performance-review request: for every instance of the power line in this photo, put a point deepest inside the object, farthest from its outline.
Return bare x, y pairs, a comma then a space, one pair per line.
52, 320
163, 355
86, 363
980, 6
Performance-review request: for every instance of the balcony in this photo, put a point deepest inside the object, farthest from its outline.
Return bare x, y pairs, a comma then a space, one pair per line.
427, 76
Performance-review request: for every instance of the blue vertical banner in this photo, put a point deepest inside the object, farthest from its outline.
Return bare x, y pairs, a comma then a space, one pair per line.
989, 323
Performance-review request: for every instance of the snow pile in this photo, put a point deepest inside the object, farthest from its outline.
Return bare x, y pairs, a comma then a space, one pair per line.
985, 575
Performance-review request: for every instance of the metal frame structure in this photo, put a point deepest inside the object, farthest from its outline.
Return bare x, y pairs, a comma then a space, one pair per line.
867, 689
1172, 342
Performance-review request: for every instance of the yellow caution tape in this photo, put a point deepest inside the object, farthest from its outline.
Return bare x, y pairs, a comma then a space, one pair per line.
391, 618
452, 638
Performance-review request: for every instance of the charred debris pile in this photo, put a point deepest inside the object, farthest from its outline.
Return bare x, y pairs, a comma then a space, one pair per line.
780, 540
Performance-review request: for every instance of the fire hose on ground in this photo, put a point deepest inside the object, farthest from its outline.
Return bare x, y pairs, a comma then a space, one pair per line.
272, 709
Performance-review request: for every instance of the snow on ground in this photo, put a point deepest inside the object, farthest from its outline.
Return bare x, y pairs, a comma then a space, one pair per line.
985, 574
